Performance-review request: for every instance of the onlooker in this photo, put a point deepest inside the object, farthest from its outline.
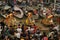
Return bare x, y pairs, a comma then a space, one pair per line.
51, 36
35, 28
17, 35
23, 28
2, 24
55, 35
19, 29
44, 36
38, 35
56, 27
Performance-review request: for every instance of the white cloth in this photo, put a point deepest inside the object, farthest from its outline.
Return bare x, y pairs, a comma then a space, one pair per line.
19, 30
44, 13
17, 35
57, 28
28, 29
50, 34
32, 29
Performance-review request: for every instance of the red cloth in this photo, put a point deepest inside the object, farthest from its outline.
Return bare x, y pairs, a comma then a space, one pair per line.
45, 38
35, 28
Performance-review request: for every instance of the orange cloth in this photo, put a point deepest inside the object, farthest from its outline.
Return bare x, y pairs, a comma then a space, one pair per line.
50, 16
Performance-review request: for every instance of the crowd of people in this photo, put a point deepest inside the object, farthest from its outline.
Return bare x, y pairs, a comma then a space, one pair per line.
10, 30
26, 32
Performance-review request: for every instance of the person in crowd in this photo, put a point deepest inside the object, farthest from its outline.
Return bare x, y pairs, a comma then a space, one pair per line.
48, 11
38, 35
11, 31
28, 32
51, 33
51, 36
23, 28
56, 27
32, 30
35, 27
17, 35
55, 35
19, 29
2, 24
36, 13
24, 35
44, 36
6, 33
28, 35
28, 29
